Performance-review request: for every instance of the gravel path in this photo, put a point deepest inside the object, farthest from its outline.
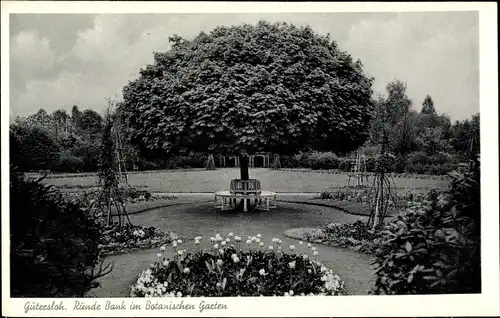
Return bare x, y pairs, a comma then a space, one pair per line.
200, 218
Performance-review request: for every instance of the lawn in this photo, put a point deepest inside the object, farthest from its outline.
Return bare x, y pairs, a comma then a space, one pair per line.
210, 181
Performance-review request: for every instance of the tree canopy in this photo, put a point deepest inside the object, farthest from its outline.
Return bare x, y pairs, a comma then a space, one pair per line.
250, 88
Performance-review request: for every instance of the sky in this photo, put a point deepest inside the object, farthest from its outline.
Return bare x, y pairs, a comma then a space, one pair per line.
61, 60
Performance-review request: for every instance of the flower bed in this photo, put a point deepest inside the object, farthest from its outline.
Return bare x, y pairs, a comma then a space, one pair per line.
228, 270
355, 236
130, 237
362, 195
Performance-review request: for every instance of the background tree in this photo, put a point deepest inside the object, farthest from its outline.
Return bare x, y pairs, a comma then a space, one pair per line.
76, 118
250, 88
31, 148
60, 119
428, 106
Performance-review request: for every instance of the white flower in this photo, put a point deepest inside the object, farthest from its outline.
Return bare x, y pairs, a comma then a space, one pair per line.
186, 270
270, 247
279, 248
163, 248
165, 262
233, 255
253, 239
257, 240
174, 244
249, 237
197, 242
159, 255
221, 251
218, 285
228, 240
324, 278
237, 238
179, 294
292, 247
313, 248
216, 246
217, 235
291, 292
262, 272
315, 253
305, 256
198, 238
291, 265
279, 241
165, 284
300, 242
179, 241
212, 239
249, 242
261, 244
309, 271
223, 243
287, 294
236, 260
259, 236
219, 262
180, 252
309, 245
230, 234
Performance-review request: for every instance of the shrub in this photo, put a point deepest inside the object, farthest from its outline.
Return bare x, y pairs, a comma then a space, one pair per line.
421, 163
132, 193
434, 247
32, 149
54, 243
227, 270
302, 160
67, 162
323, 160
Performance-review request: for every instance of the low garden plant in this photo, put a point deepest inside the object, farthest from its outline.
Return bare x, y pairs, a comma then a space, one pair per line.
232, 267
357, 236
116, 240
132, 237
361, 195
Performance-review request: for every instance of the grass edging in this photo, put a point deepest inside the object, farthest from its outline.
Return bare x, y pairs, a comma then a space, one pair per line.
335, 206
165, 205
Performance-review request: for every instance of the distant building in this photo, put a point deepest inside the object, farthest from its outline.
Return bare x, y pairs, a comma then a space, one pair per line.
258, 160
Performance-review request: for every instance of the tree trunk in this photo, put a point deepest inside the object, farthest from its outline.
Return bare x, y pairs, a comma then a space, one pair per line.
244, 168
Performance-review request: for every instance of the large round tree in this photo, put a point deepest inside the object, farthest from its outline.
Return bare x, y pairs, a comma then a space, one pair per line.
249, 88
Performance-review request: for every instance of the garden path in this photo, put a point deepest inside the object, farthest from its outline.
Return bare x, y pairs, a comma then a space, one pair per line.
200, 218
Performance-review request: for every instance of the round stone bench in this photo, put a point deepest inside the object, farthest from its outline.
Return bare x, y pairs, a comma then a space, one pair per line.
262, 199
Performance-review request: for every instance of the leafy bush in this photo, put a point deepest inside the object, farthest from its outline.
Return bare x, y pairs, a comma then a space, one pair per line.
434, 247
67, 162
323, 160
422, 163
227, 270
54, 243
32, 149
132, 193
